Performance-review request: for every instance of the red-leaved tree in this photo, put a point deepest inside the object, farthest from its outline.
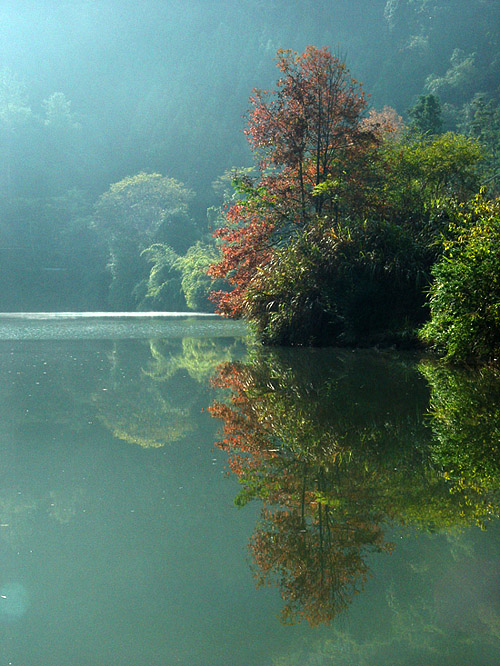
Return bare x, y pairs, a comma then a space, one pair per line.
313, 149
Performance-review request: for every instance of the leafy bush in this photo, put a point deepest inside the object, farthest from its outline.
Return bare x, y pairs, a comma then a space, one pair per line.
196, 283
465, 295
163, 287
356, 283
177, 282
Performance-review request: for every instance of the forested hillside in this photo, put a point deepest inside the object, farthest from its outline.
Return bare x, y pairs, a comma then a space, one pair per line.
118, 121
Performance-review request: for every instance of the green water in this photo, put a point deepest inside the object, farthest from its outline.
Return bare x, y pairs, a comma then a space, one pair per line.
120, 541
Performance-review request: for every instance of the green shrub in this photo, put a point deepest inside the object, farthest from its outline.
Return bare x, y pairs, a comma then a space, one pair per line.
196, 283
163, 287
358, 283
465, 294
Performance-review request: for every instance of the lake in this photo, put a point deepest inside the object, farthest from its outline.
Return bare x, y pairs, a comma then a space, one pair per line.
172, 493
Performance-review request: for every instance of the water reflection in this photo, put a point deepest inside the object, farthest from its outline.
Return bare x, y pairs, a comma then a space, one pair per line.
59, 404
117, 519
109, 502
337, 448
156, 402
465, 421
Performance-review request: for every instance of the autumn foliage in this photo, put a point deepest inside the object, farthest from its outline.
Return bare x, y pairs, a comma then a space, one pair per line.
335, 240
312, 144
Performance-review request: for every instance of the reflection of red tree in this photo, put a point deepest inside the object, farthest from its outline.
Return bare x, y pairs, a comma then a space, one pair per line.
313, 546
317, 564
242, 431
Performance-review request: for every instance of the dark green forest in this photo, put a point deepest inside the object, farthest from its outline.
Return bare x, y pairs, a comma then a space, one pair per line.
121, 127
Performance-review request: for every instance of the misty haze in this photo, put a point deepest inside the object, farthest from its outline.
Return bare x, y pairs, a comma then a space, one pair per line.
249, 332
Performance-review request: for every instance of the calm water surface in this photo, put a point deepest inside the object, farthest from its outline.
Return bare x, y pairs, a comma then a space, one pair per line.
358, 535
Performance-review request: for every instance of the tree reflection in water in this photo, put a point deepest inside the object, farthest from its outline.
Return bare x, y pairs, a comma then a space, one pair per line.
336, 447
156, 401
465, 421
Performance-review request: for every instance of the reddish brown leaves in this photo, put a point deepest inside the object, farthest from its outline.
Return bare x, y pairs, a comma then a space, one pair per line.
307, 133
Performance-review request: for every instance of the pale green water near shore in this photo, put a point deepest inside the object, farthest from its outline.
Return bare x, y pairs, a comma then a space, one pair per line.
120, 543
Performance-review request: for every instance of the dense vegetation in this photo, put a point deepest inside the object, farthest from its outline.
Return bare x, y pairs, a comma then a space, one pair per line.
336, 238
110, 161
465, 293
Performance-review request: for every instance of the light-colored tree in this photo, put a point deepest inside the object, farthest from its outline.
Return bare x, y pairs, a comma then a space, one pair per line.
134, 213
15, 117
58, 114
137, 207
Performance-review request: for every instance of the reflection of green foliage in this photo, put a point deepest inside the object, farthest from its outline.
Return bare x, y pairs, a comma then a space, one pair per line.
142, 416
151, 403
150, 424
322, 403
358, 415
415, 634
465, 411
328, 441
139, 410
420, 616
343, 649
199, 357
426, 502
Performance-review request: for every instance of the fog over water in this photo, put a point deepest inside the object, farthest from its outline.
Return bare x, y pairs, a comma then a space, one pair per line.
115, 325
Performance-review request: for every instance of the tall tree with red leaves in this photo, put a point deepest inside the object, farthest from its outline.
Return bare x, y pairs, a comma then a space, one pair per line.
312, 147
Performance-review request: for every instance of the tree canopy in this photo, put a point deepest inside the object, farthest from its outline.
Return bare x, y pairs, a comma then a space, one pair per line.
335, 240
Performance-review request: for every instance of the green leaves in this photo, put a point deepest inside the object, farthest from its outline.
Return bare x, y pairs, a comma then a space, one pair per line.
465, 295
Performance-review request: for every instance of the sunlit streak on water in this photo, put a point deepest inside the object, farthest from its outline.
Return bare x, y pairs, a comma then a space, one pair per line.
102, 315
116, 325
